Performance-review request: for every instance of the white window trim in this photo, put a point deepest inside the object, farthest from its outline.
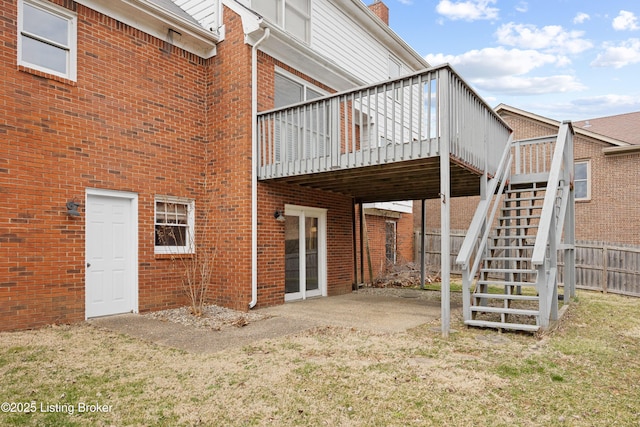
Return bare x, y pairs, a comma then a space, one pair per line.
304, 83
588, 163
189, 248
282, 23
72, 20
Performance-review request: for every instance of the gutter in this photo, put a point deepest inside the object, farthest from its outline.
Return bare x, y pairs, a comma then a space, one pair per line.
629, 149
254, 169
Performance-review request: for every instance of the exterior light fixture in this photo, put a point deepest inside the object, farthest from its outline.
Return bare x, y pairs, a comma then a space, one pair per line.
72, 208
278, 216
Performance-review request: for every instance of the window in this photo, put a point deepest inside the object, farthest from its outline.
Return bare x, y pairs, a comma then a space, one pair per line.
174, 220
582, 180
395, 71
47, 38
294, 16
390, 241
290, 91
305, 133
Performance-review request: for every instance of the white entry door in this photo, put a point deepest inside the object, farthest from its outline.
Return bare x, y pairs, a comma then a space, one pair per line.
305, 252
111, 253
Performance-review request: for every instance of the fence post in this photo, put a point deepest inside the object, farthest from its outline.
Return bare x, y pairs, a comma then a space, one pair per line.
605, 266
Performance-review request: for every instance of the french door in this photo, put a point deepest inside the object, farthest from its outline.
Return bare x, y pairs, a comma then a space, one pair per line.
305, 252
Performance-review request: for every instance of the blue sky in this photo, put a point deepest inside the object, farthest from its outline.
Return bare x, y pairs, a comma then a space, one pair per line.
562, 59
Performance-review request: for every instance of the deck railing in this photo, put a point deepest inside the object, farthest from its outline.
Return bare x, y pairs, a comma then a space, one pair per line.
397, 120
556, 224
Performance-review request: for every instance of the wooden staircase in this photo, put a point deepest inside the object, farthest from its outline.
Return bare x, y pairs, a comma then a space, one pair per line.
509, 262
505, 296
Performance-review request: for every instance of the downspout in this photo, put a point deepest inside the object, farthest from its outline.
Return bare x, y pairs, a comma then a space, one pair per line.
254, 169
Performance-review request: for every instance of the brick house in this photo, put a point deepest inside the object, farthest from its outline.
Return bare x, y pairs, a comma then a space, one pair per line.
607, 175
138, 132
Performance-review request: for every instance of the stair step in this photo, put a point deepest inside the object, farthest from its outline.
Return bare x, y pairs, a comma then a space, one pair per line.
504, 310
507, 297
507, 258
517, 217
508, 270
503, 247
522, 208
503, 283
516, 227
501, 325
523, 199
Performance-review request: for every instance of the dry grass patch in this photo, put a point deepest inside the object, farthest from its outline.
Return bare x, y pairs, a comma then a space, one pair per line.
584, 373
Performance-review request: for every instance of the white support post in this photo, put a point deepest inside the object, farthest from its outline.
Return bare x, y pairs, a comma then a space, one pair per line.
445, 199
570, 228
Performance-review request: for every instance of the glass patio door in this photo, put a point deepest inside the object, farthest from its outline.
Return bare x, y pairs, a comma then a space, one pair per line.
305, 252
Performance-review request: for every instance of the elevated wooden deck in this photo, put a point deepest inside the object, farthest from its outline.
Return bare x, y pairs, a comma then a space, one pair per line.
384, 142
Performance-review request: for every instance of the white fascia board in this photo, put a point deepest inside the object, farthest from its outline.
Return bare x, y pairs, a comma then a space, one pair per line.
157, 21
399, 206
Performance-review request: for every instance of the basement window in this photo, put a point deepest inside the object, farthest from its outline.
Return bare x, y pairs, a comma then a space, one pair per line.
47, 38
174, 225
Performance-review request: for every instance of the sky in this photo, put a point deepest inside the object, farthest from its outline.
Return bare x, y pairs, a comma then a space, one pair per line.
561, 59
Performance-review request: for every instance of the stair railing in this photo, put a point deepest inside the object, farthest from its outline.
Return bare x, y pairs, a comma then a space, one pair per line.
558, 196
475, 241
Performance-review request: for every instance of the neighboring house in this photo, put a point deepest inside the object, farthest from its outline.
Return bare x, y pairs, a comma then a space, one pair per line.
606, 175
138, 132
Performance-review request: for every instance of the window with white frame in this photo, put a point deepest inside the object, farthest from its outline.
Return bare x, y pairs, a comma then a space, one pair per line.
47, 38
174, 225
304, 135
294, 16
582, 180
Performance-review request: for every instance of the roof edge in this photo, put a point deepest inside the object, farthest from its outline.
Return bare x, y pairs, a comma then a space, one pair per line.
577, 130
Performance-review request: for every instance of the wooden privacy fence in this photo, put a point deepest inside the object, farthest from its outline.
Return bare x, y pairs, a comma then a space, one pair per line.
600, 266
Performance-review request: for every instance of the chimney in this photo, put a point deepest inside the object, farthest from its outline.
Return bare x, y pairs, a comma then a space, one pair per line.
380, 10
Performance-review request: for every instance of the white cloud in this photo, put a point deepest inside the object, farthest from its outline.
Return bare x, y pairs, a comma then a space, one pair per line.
625, 21
552, 38
516, 85
522, 7
581, 18
620, 55
494, 62
504, 70
469, 10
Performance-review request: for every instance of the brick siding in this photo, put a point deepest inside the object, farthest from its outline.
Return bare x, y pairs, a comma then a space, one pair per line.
147, 118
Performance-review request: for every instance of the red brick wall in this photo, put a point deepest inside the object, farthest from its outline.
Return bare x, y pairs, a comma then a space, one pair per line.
133, 121
274, 196
144, 120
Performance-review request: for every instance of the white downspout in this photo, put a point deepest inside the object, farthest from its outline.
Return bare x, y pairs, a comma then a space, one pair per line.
254, 169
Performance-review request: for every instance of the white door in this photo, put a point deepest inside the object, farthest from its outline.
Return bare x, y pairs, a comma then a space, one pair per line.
111, 255
305, 252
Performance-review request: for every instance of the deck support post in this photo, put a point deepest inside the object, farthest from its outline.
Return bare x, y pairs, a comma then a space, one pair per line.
444, 94
423, 220
361, 218
355, 246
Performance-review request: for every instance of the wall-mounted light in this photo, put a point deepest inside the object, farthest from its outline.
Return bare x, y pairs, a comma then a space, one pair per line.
72, 208
278, 216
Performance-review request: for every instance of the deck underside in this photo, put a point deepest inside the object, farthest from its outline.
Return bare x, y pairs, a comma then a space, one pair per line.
405, 180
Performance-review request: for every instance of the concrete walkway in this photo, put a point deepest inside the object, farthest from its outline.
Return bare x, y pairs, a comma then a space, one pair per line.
374, 313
